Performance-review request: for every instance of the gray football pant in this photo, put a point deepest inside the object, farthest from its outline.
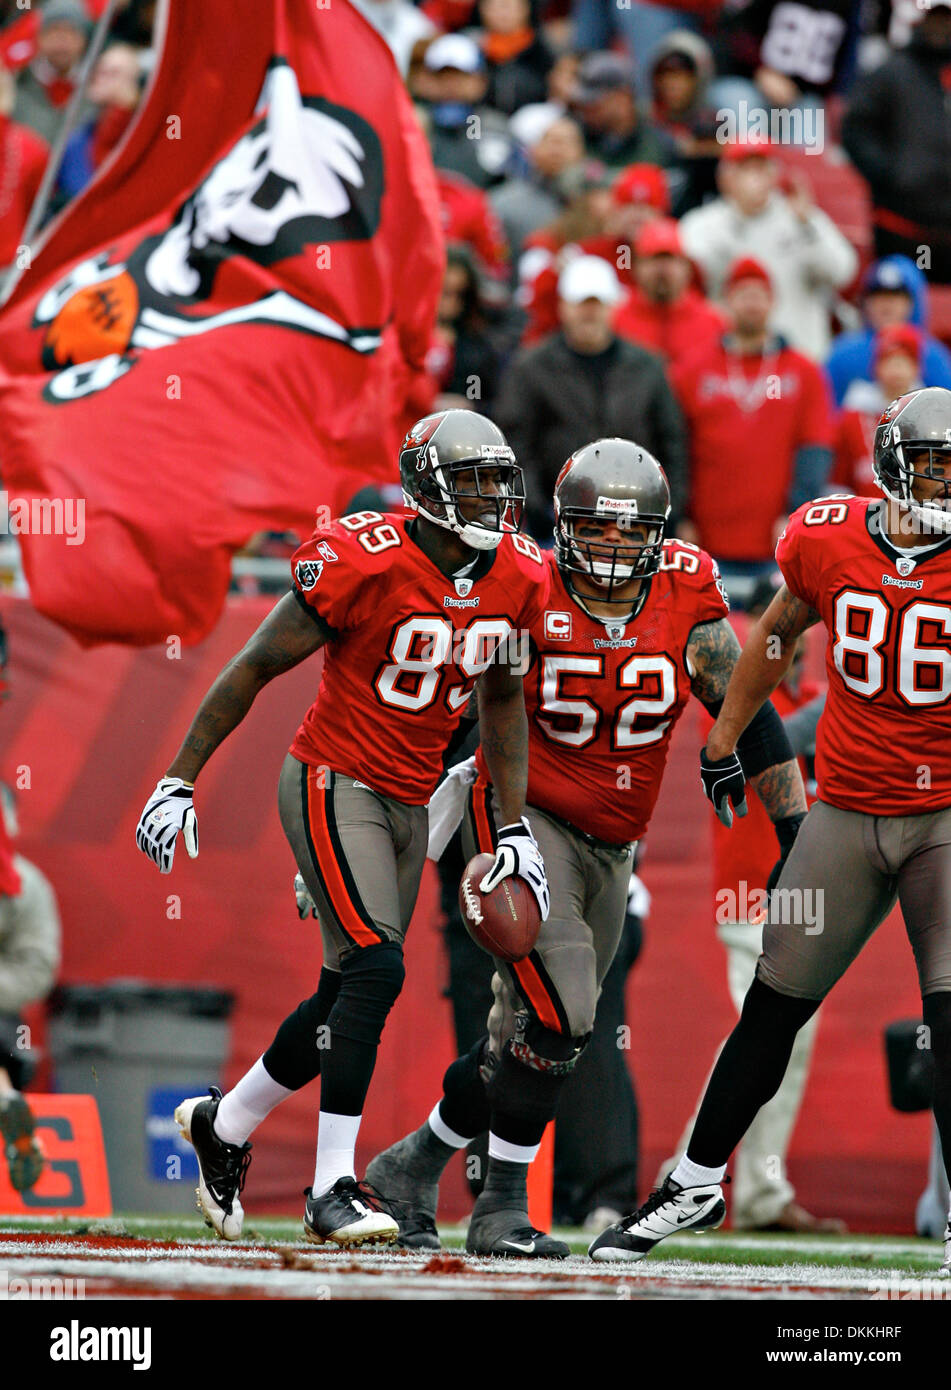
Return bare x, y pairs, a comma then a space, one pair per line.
841, 880
559, 982
360, 853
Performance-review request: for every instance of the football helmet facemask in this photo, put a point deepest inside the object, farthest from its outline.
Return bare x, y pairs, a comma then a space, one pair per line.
445, 465
610, 480
917, 424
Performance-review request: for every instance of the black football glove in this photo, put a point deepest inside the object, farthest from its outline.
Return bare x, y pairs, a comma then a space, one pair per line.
786, 832
723, 782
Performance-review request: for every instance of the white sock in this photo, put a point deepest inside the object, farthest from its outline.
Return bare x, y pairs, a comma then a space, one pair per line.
690, 1174
442, 1131
511, 1153
248, 1103
336, 1141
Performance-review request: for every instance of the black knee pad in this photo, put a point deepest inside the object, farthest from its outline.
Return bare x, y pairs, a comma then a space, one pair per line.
293, 1059
465, 1070
370, 984
465, 1106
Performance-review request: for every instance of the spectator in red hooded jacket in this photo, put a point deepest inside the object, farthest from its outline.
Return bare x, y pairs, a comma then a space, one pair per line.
897, 371
664, 310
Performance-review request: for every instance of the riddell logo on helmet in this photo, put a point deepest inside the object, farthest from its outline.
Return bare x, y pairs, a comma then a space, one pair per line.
620, 506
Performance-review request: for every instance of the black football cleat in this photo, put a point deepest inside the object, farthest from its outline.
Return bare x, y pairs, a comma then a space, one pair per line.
669, 1209
222, 1168
348, 1215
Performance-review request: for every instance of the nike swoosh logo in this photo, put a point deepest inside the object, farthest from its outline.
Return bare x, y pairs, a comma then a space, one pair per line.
525, 1249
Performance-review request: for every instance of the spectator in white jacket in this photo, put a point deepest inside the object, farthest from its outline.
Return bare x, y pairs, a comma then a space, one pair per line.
807, 256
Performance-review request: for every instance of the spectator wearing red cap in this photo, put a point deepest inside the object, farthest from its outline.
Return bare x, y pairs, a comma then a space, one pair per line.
897, 357
664, 311
638, 195
759, 422
584, 383
807, 256
616, 130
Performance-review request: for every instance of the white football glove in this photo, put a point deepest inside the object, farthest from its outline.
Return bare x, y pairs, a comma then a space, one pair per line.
306, 907
518, 854
169, 809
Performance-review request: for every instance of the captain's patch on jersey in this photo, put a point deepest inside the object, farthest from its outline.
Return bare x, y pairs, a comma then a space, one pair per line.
558, 626
308, 572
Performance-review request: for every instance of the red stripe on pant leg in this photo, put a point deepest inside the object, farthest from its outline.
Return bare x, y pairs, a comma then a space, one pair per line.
347, 914
485, 837
536, 993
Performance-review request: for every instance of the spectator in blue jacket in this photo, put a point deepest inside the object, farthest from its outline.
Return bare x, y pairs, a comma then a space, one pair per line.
894, 291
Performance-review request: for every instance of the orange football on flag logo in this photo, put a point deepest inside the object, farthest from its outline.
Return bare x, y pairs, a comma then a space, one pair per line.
94, 322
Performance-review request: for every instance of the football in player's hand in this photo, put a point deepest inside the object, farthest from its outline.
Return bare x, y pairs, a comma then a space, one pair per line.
505, 922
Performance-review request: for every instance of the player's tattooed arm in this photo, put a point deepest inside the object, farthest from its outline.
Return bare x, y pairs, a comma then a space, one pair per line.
712, 653
286, 637
761, 666
503, 731
781, 790
787, 618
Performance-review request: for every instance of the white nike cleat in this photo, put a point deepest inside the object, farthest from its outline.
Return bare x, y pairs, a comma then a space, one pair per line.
668, 1209
222, 1168
945, 1270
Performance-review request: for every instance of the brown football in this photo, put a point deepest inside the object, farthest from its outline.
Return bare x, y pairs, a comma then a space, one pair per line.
505, 922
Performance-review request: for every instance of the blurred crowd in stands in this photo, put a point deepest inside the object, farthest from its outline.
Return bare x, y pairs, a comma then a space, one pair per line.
720, 228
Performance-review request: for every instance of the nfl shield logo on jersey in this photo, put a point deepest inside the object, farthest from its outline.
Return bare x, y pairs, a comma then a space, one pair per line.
903, 566
308, 572
463, 586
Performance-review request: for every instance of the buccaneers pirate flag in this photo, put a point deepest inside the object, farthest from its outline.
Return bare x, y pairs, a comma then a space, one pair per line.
218, 336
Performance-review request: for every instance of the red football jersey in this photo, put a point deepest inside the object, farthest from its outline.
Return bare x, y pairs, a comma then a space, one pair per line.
603, 698
884, 740
408, 646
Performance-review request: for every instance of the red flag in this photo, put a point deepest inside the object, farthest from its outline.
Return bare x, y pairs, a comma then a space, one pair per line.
216, 338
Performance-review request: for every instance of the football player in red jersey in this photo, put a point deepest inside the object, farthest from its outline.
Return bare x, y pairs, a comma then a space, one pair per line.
878, 574
632, 626
414, 612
